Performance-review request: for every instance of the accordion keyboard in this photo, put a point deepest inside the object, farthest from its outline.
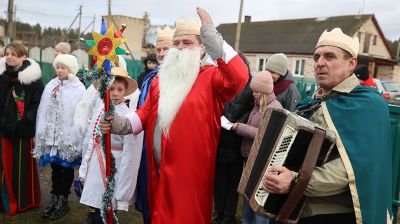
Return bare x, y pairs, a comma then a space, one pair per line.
278, 158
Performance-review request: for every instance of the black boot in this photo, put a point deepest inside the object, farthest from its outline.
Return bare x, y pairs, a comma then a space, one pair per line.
61, 208
230, 219
50, 207
217, 218
94, 216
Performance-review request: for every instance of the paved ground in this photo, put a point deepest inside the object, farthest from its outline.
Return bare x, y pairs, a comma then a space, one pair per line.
76, 215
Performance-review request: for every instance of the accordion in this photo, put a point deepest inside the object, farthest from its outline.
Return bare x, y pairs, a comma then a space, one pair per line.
284, 139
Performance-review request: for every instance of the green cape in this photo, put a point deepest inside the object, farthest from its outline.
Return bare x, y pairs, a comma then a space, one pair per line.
361, 121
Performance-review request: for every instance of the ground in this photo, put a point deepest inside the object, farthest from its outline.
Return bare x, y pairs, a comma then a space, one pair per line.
78, 212
76, 215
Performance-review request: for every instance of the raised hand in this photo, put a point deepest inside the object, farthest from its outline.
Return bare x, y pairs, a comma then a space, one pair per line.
204, 17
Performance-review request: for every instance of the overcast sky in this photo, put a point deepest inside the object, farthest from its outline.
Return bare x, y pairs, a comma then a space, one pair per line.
62, 12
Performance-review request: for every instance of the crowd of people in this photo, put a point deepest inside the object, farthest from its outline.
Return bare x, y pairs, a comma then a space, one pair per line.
174, 160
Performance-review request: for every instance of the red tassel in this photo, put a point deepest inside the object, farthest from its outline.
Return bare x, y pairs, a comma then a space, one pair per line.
120, 31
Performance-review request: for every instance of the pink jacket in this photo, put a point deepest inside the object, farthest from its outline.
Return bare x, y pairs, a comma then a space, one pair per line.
249, 131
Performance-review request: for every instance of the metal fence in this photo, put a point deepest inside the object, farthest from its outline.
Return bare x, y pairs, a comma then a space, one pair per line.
45, 58
395, 131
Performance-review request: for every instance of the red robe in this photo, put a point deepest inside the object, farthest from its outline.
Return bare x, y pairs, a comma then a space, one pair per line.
183, 191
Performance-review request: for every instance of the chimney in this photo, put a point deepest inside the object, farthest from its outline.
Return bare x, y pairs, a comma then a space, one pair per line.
247, 19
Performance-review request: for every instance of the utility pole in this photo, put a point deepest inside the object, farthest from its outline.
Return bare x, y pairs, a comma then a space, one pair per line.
15, 21
94, 20
239, 27
79, 27
398, 50
10, 22
109, 19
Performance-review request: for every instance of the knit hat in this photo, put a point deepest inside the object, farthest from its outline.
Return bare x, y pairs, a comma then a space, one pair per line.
362, 72
63, 47
132, 84
67, 60
277, 63
150, 57
262, 82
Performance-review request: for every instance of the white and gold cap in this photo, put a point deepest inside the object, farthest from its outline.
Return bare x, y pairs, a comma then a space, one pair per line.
165, 34
186, 27
337, 38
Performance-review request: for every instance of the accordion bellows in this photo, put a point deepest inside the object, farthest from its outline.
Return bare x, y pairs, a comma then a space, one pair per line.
284, 139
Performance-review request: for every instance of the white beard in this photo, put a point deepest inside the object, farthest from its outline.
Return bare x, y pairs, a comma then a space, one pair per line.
178, 72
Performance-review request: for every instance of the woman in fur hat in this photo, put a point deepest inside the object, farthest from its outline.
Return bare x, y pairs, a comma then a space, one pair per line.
56, 142
263, 92
20, 90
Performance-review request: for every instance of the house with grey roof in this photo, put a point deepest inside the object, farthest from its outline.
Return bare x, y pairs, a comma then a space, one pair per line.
297, 39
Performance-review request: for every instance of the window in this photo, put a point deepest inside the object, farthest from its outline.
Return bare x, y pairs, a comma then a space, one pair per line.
261, 64
299, 67
367, 41
359, 36
374, 41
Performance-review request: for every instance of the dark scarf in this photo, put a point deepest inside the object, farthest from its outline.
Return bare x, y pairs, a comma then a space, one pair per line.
281, 85
13, 74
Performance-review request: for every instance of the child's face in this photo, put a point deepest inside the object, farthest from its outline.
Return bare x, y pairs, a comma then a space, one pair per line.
117, 92
151, 64
61, 71
257, 95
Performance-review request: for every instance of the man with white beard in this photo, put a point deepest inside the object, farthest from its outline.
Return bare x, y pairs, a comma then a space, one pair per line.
163, 44
181, 116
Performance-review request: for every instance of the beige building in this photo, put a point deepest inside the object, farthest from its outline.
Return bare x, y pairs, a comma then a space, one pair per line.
297, 39
134, 33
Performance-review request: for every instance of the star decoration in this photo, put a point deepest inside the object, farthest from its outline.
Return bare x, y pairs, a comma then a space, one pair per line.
104, 46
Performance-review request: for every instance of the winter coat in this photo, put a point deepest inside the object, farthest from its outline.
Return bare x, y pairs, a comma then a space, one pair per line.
56, 141
126, 150
289, 97
30, 84
237, 110
249, 130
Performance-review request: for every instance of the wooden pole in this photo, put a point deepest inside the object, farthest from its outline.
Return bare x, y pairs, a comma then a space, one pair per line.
108, 136
239, 27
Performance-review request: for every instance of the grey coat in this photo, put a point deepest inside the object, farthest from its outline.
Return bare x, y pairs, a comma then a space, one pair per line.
290, 97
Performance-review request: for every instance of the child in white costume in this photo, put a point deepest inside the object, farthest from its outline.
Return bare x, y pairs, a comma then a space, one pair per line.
55, 141
126, 150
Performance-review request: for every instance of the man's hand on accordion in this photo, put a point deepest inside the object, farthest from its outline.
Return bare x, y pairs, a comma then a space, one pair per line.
278, 180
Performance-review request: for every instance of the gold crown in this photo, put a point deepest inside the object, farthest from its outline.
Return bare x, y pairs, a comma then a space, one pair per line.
338, 39
189, 27
165, 34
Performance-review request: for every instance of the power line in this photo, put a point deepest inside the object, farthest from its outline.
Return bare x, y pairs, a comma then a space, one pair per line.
50, 14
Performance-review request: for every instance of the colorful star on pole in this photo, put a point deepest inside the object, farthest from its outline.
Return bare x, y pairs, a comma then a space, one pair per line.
105, 45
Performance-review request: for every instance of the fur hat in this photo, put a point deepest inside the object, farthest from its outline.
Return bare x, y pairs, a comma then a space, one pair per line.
277, 63
338, 39
67, 60
362, 73
262, 82
186, 27
132, 84
63, 48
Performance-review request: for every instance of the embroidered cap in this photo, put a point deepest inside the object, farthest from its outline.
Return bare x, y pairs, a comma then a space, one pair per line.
165, 34
186, 27
337, 38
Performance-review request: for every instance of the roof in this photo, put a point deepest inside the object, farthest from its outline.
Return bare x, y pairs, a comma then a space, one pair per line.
296, 36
